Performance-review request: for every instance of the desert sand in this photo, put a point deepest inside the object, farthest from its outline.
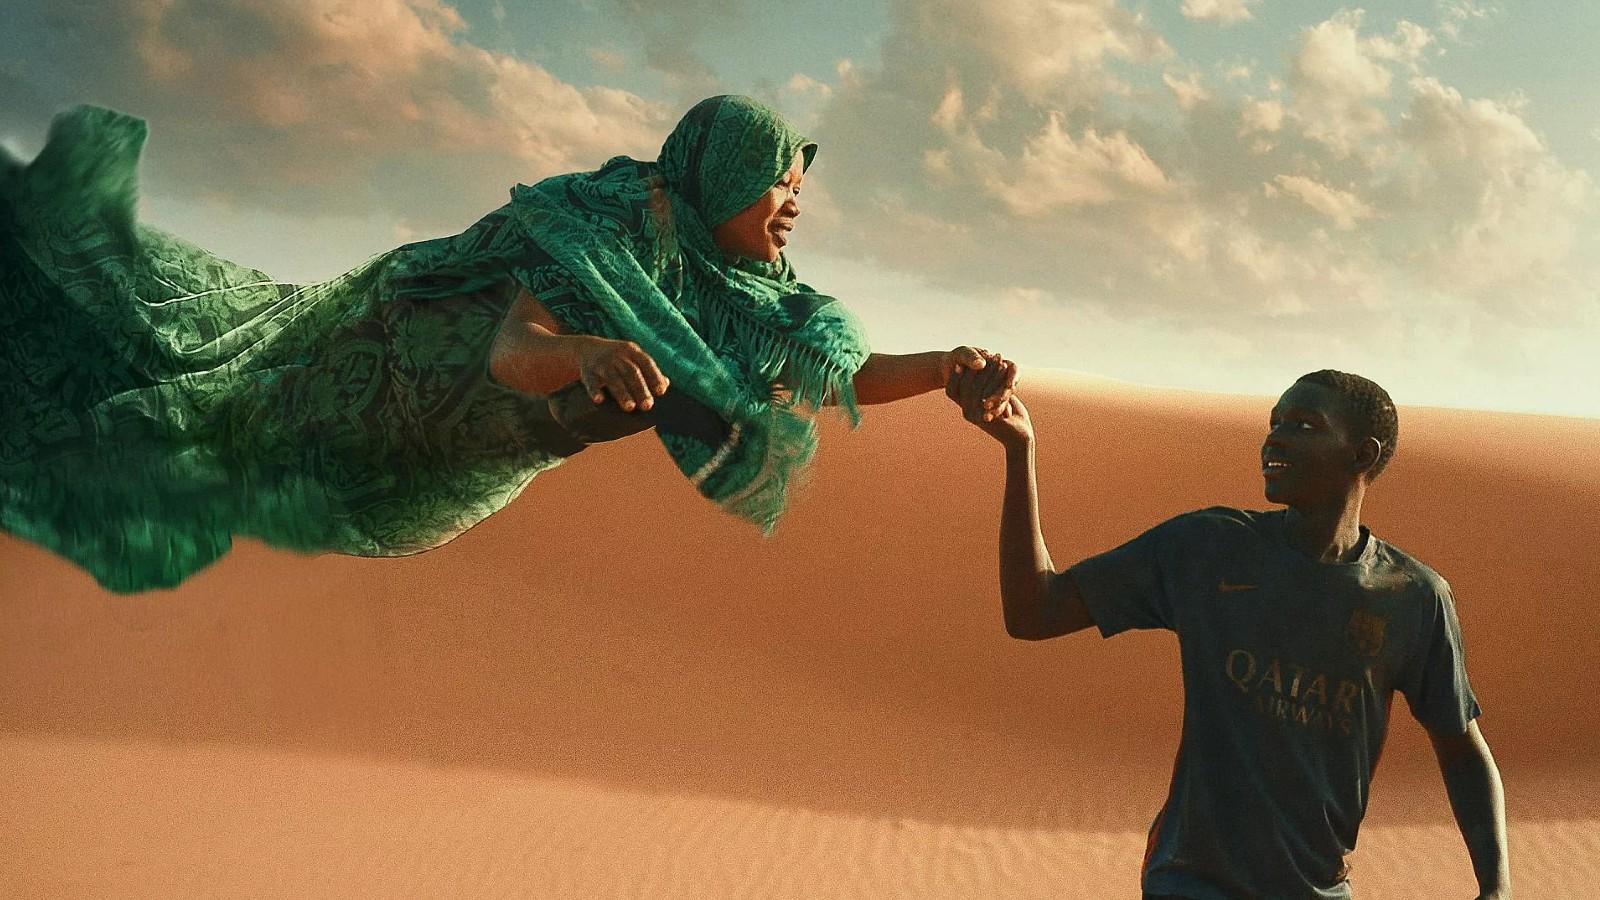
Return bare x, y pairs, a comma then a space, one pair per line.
609, 689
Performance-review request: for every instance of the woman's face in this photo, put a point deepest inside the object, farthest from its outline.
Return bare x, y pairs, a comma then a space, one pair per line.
761, 230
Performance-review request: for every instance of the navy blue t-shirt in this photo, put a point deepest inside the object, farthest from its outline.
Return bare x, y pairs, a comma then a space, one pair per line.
1289, 667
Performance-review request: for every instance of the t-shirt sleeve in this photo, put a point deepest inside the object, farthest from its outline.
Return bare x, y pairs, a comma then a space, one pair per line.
1435, 683
1126, 587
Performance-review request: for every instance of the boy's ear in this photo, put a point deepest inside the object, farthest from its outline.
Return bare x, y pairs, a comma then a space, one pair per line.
1367, 453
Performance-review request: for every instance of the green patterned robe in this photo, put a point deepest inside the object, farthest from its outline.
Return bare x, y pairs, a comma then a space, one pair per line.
156, 400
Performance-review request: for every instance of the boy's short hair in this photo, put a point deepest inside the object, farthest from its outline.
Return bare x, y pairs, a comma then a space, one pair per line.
1371, 410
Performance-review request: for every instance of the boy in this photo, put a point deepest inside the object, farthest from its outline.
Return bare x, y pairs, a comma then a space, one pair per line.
1295, 628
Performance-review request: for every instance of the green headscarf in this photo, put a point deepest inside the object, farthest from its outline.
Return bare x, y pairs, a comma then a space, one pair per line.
607, 260
157, 400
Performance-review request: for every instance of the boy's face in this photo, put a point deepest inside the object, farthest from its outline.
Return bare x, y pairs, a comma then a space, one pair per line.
1310, 455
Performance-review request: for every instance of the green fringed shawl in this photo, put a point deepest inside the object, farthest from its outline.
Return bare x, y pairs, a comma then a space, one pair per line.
156, 400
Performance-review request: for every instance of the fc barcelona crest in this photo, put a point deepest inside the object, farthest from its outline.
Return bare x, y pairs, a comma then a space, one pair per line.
1366, 632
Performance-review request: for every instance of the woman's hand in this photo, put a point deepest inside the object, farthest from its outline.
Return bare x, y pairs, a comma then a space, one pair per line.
972, 389
975, 359
621, 368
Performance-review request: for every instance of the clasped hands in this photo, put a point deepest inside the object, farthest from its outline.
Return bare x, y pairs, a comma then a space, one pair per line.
983, 385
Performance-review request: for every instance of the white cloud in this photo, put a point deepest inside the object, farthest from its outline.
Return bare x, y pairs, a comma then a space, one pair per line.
1451, 129
801, 83
800, 97
1044, 48
1218, 10
1343, 207
1335, 76
969, 120
1261, 115
1457, 16
1238, 72
1056, 171
1499, 212
1268, 264
951, 110
1188, 231
1407, 46
1189, 91
330, 107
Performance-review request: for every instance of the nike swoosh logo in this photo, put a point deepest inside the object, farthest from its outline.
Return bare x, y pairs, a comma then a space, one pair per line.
1226, 587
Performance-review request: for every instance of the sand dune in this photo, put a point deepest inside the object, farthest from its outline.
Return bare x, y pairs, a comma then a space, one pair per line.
609, 689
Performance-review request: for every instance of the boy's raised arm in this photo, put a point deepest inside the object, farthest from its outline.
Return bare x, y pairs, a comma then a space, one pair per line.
1038, 602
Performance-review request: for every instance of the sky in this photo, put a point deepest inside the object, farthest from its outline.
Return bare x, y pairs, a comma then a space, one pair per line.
1206, 194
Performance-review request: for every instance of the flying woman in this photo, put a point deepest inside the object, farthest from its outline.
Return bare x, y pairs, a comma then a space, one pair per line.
156, 400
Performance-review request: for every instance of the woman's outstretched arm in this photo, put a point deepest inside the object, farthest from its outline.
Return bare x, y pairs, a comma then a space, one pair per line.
887, 377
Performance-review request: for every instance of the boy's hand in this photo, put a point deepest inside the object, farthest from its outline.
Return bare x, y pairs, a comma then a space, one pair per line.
975, 389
